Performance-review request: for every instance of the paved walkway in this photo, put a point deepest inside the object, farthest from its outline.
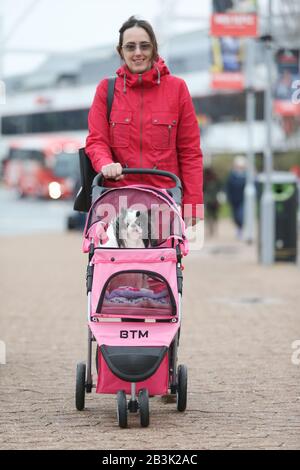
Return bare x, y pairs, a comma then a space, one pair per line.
240, 320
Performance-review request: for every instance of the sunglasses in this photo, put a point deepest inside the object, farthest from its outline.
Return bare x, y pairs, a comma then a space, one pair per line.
131, 46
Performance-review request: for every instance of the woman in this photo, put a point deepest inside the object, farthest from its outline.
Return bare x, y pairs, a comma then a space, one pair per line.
152, 121
212, 187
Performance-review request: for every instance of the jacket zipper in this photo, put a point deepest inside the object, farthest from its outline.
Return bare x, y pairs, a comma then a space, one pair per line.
141, 122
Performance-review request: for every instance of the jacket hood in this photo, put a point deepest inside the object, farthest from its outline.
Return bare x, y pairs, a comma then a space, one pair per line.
149, 79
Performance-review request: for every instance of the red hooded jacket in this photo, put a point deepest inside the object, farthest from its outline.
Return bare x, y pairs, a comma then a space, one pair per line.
152, 125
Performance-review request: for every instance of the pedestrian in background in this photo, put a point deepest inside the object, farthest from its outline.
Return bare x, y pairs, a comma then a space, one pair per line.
235, 187
152, 122
211, 188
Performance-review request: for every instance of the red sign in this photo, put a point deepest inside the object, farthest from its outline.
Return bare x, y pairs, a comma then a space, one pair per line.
227, 81
286, 108
286, 102
234, 24
227, 64
42, 100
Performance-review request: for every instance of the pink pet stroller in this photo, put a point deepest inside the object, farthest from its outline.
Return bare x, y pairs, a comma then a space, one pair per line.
134, 297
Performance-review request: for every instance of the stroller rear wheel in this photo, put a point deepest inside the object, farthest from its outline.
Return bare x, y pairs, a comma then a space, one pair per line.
80, 386
122, 409
144, 407
181, 387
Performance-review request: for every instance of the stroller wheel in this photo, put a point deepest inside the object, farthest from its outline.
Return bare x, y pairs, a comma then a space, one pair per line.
144, 407
80, 386
181, 388
122, 409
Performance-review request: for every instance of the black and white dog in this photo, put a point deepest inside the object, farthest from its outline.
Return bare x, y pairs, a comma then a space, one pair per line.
131, 229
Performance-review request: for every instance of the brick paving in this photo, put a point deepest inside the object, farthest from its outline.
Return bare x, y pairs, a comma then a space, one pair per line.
240, 320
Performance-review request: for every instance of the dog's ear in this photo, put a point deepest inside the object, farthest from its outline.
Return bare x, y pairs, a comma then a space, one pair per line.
151, 229
123, 212
117, 230
115, 225
144, 223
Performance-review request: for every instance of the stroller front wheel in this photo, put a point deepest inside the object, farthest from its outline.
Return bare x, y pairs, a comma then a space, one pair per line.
80, 386
122, 409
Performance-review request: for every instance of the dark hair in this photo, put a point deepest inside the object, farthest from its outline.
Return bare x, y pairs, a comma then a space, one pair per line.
130, 23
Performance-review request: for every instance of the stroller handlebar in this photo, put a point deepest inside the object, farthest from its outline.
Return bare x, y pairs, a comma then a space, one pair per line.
175, 191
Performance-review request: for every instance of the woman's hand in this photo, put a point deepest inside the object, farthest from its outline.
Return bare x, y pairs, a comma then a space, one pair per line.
112, 171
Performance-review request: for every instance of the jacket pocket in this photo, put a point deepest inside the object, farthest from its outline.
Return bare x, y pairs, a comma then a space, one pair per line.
120, 128
164, 129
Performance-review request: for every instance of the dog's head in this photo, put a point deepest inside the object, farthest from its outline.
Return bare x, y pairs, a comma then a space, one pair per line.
131, 229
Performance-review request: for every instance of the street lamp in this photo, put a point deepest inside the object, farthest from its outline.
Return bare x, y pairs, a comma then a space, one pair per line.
250, 192
267, 208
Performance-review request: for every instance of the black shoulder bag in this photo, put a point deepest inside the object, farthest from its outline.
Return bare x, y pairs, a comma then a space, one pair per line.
83, 199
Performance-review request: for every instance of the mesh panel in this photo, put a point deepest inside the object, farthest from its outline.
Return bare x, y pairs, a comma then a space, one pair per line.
136, 294
136, 215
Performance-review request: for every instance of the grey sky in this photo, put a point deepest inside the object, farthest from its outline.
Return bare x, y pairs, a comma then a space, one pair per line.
66, 25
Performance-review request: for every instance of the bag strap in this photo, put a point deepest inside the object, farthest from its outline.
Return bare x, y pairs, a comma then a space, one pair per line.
110, 95
83, 199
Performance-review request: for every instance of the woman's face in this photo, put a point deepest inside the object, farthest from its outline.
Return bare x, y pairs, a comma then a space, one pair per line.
137, 50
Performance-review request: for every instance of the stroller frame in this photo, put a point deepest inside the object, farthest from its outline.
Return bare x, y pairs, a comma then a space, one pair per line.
177, 375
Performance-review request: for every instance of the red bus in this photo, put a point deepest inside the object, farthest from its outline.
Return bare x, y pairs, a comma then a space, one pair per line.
44, 167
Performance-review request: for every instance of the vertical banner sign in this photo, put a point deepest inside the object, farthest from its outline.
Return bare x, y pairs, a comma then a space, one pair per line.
231, 21
234, 18
227, 62
288, 69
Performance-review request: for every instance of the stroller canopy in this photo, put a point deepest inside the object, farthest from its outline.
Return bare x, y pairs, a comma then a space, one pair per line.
161, 216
